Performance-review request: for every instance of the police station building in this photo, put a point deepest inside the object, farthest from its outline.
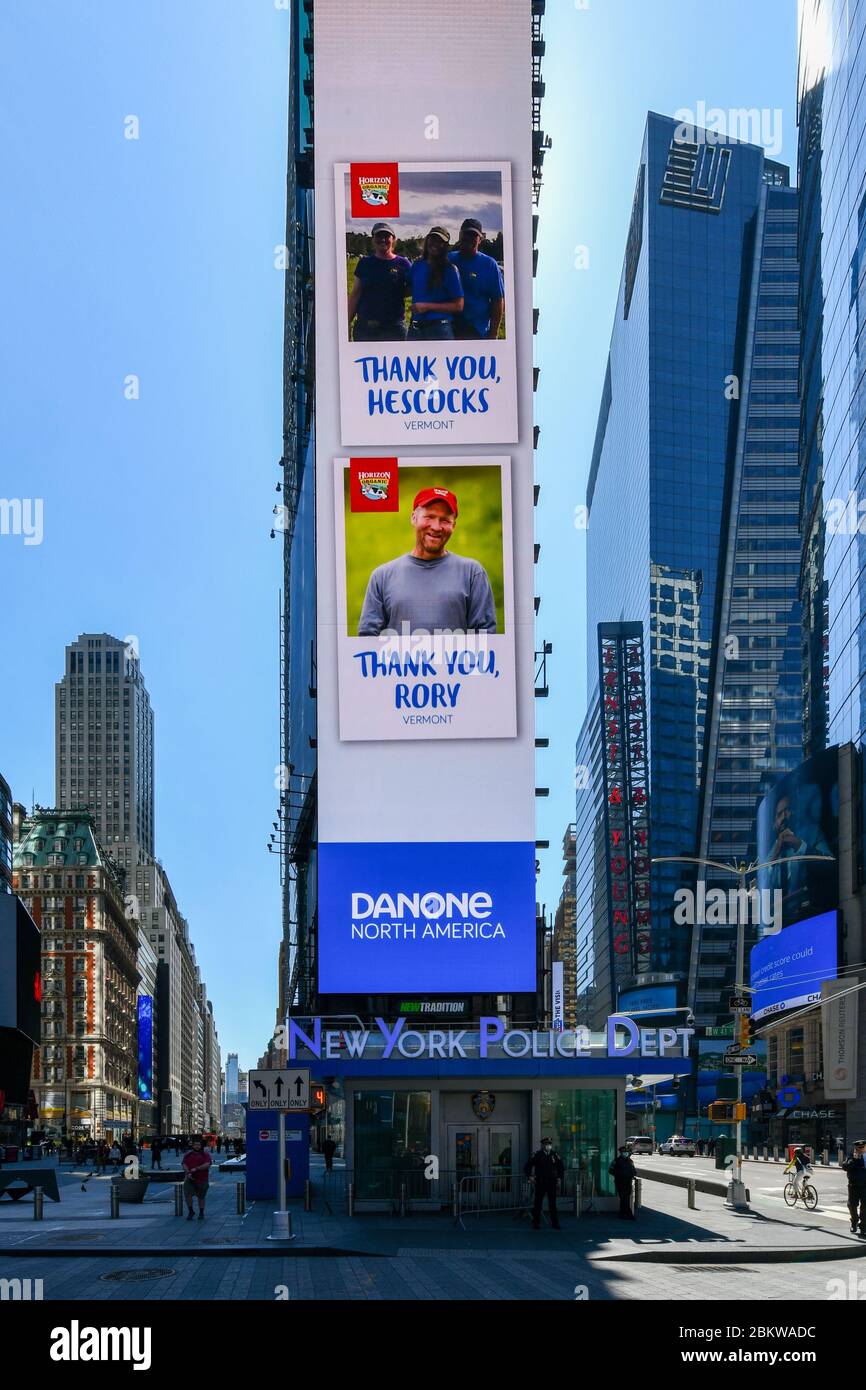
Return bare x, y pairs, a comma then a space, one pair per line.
428, 1110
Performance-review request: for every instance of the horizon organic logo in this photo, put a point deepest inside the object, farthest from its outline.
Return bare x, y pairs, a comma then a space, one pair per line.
22, 516
715, 126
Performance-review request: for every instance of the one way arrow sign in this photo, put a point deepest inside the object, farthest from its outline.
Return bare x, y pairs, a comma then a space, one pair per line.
286, 1088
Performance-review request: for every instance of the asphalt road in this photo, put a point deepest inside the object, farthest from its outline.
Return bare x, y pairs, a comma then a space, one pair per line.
766, 1180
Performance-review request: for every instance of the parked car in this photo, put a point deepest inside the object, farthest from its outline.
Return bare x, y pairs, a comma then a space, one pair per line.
678, 1146
640, 1144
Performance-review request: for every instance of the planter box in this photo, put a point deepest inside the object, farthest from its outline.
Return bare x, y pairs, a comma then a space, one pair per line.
130, 1189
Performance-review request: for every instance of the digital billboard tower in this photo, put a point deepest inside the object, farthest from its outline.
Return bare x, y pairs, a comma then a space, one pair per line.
414, 871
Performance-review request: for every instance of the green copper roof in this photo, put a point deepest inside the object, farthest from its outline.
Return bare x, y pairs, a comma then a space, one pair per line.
60, 839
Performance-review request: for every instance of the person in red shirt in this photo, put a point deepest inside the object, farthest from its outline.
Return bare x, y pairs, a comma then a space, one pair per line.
196, 1164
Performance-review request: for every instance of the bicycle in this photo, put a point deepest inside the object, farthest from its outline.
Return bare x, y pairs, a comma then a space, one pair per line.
809, 1194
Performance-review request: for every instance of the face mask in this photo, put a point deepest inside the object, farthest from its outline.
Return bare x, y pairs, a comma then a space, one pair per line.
547, 1148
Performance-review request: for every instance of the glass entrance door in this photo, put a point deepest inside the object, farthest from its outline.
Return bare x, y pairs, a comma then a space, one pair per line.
485, 1162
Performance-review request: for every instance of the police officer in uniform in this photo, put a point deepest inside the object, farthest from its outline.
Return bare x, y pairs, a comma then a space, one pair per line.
545, 1170
623, 1172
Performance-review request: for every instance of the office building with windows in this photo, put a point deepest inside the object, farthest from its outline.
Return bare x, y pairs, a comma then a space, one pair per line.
104, 744
85, 1072
805, 1046
694, 653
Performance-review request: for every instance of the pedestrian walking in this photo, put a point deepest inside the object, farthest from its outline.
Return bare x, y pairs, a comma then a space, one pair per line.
115, 1155
855, 1169
623, 1172
196, 1165
155, 1153
700, 1148
545, 1171
219, 1145
329, 1148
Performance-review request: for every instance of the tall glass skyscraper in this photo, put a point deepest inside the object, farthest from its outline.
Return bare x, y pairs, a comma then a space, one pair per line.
693, 496
832, 164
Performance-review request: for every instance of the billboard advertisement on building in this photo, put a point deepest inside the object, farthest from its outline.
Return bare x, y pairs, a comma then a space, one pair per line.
425, 598
145, 1047
800, 818
839, 1016
424, 660
787, 970
426, 325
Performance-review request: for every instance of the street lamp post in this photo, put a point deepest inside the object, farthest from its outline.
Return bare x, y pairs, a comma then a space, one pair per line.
736, 1188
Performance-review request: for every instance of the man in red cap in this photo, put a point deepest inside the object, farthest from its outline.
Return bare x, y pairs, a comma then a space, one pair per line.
431, 589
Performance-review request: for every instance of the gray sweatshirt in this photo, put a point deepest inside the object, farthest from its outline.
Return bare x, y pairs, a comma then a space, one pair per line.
452, 593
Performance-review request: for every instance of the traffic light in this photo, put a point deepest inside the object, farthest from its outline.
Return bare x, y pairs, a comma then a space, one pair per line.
746, 1032
726, 1112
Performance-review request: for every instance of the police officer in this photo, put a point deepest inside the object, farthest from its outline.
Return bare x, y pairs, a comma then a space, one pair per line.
855, 1168
544, 1171
624, 1173
377, 300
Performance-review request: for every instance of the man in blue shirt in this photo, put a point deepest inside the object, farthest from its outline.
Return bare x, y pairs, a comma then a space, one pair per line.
429, 589
377, 300
483, 290
437, 294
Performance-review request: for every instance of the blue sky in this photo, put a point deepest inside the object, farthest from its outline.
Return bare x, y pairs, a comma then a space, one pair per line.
606, 65
155, 257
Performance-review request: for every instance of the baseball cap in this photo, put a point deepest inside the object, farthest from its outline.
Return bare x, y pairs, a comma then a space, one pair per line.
440, 232
435, 494
471, 224
383, 227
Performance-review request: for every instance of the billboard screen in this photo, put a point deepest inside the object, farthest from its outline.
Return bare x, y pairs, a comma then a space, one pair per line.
145, 1047
787, 970
649, 997
418, 349
800, 817
425, 638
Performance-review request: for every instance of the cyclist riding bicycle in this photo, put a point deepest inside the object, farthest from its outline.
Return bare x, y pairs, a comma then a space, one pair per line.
801, 1169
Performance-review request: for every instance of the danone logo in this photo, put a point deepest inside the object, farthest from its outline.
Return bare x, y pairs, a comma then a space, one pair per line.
375, 190
404, 916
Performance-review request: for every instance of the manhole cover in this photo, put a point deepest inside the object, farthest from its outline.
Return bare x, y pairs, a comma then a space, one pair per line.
712, 1269
134, 1276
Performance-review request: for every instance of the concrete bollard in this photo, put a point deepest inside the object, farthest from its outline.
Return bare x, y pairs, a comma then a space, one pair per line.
693, 1206
308, 1195
825, 1158
766, 1154
638, 1187
115, 1200
840, 1157
351, 1198
241, 1196
775, 1153
178, 1199
38, 1198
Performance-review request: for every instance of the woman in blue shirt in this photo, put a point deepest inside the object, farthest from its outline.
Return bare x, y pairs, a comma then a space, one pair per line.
437, 291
